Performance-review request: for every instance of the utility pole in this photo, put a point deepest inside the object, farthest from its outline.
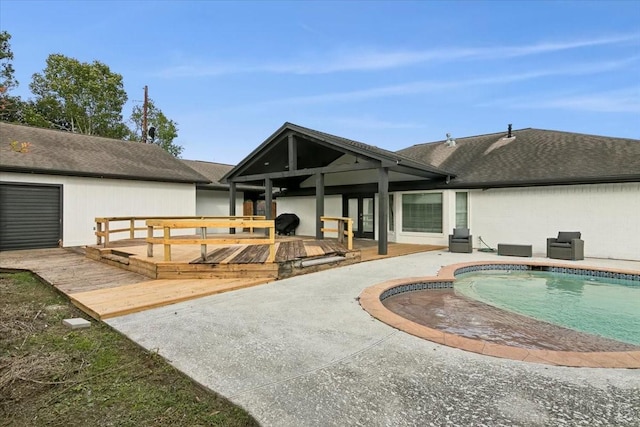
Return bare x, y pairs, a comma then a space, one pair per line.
144, 115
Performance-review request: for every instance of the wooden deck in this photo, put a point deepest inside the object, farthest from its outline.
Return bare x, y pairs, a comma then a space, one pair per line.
112, 302
222, 261
104, 291
111, 288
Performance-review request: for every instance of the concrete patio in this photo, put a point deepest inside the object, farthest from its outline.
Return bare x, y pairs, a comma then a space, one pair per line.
302, 352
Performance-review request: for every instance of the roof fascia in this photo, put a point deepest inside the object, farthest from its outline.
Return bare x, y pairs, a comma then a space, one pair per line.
546, 182
267, 145
98, 175
418, 172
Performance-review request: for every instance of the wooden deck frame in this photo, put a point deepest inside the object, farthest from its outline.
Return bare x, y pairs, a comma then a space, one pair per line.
341, 230
104, 228
202, 225
241, 260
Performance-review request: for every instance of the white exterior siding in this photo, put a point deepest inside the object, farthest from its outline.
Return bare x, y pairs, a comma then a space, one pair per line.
608, 215
84, 199
305, 208
216, 203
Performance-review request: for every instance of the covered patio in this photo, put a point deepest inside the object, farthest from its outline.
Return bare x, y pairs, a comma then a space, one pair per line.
297, 161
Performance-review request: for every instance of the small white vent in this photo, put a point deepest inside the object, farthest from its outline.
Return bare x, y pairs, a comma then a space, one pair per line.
450, 141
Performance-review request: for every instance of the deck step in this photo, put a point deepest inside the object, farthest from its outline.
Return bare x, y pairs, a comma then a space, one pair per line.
117, 258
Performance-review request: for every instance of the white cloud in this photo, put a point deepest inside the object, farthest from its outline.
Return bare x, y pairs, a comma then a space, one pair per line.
421, 87
370, 123
364, 59
625, 100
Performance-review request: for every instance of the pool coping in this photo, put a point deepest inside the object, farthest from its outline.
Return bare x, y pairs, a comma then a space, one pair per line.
371, 301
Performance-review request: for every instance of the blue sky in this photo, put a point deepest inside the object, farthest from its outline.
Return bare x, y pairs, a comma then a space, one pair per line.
390, 74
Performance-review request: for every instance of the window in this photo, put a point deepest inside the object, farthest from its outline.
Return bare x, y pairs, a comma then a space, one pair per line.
392, 215
422, 212
462, 216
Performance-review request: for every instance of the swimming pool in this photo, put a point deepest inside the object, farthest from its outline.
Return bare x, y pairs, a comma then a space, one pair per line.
597, 305
429, 307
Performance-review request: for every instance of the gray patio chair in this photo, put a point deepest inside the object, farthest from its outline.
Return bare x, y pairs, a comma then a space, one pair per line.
567, 245
461, 241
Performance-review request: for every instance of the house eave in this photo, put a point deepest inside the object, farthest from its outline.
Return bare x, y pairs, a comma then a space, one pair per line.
543, 182
98, 175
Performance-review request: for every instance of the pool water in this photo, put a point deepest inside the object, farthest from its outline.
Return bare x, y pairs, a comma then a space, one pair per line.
605, 307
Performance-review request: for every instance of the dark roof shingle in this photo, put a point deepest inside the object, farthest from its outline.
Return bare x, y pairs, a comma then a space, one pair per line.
533, 157
214, 172
65, 153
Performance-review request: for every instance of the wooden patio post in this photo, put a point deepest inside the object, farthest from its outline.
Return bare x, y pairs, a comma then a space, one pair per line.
383, 209
132, 228
106, 233
232, 203
319, 205
149, 244
167, 243
203, 247
268, 199
98, 232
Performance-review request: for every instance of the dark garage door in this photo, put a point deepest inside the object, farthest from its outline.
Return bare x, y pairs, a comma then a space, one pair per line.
30, 216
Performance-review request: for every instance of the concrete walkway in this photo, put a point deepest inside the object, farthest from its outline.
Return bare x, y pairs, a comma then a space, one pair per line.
301, 352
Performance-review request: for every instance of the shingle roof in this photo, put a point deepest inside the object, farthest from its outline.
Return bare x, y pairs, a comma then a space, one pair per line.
533, 157
369, 149
64, 153
214, 172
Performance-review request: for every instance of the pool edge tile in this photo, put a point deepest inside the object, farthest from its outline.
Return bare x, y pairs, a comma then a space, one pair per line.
370, 301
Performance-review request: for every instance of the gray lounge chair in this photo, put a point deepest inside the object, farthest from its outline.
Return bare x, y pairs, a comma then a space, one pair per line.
567, 245
461, 241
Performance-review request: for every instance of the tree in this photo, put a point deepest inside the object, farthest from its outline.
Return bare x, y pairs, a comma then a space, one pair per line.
10, 106
7, 78
165, 130
79, 97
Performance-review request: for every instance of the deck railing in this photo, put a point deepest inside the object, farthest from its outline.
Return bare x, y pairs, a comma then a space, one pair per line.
203, 240
345, 229
104, 225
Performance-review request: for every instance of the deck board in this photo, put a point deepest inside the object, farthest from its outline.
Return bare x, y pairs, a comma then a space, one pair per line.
252, 254
332, 247
104, 291
218, 255
106, 303
290, 250
395, 249
67, 270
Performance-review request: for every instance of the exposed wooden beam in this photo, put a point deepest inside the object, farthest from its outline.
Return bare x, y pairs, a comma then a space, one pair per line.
308, 172
293, 153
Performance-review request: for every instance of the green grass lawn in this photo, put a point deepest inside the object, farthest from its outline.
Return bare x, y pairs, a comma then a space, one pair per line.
54, 376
